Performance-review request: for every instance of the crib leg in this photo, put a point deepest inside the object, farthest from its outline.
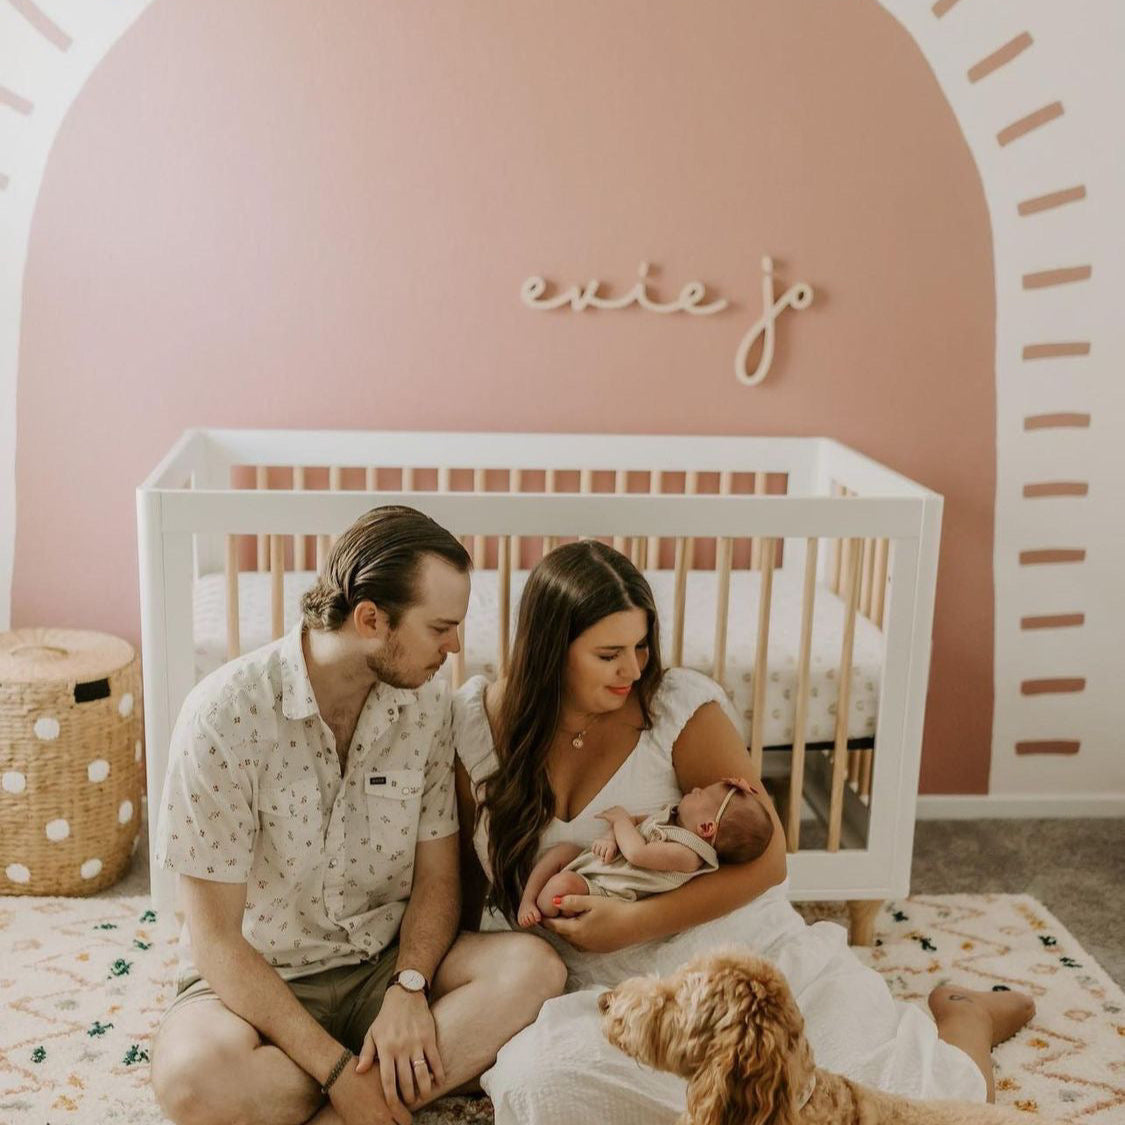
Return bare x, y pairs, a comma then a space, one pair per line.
862, 912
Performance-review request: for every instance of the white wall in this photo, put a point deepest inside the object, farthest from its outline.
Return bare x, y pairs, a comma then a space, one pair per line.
1074, 58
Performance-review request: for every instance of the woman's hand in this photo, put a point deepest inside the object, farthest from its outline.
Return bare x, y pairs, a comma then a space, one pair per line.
594, 924
605, 848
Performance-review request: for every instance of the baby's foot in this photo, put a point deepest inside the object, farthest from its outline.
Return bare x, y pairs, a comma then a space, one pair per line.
529, 916
1006, 1012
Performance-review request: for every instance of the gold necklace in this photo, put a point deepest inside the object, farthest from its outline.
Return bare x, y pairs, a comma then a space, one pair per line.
578, 739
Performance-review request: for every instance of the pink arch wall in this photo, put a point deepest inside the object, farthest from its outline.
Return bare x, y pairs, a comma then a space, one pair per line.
257, 215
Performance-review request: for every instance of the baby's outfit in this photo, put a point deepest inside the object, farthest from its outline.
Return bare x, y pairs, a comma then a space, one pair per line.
620, 879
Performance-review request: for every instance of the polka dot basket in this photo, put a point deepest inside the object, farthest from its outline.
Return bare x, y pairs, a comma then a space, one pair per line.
71, 761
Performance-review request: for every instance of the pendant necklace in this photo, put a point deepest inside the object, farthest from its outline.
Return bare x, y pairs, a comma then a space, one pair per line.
578, 739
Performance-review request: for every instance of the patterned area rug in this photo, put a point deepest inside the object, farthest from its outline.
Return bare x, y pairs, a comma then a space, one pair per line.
83, 983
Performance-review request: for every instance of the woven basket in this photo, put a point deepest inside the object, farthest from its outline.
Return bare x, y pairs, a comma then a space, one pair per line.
71, 761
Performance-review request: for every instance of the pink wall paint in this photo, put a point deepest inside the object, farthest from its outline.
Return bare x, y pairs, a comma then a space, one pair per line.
279, 214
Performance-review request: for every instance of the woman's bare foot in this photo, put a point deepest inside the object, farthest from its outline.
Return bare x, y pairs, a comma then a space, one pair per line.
1007, 1011
976, 1021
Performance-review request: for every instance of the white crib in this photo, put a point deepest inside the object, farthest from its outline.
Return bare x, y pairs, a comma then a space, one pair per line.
823, 648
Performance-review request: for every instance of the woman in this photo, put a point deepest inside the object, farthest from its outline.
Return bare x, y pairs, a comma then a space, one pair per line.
587, 718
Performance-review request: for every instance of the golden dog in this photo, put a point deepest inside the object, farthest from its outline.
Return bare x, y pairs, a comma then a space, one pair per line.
727, 1022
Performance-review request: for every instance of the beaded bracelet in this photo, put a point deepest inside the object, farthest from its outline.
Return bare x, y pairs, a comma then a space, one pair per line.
337, 1070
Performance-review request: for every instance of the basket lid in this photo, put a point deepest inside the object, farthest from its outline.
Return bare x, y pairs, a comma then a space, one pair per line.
60, 655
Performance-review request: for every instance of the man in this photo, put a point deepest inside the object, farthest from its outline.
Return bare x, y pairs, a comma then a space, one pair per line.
309, 810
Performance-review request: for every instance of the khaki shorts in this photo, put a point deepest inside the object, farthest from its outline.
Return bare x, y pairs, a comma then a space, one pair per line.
344, 1000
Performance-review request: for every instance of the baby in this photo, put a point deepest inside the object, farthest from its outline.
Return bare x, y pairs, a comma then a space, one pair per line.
641, 856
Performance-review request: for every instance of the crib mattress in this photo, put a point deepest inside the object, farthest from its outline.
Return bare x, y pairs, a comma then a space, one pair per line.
699, 634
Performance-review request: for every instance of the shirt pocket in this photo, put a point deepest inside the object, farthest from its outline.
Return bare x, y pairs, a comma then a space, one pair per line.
290, 827
394, 806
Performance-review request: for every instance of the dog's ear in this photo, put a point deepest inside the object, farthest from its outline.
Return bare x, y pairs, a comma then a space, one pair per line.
756, 1057
709, 1093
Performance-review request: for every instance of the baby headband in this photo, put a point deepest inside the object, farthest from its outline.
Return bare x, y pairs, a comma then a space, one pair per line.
737, 785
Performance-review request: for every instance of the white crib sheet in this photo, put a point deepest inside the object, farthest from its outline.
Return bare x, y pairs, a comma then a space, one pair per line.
702, 586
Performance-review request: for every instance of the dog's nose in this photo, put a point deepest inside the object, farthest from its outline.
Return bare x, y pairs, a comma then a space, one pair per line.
603, 1002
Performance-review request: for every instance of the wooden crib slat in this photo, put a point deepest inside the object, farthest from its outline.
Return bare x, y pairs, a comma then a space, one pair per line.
685, 561
724, 556
652, 552
797, 760
550, 484
586, 480
300, 542
868, 577
261, 481
879, 581
234, 643
839, 754
620, 488
277, 586
867, 761
853, 768
761, 653
725, 551
480, 544
335, 480
408, 478
504, 600
370, 479
836, 562
515, 485
755, 541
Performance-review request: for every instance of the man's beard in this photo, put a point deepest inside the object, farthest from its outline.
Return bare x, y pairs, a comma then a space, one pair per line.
390, 666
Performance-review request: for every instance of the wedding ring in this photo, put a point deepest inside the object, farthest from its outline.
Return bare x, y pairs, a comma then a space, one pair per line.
419, 1062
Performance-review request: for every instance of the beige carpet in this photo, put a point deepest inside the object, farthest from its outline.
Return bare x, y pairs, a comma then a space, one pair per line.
83, 983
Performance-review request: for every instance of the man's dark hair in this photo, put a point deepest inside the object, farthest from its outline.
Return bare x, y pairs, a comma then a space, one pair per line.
377, 560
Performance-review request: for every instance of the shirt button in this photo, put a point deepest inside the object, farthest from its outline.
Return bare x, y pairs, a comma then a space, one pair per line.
332, 862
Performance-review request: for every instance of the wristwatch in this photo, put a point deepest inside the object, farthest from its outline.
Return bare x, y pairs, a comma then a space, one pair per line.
411, 981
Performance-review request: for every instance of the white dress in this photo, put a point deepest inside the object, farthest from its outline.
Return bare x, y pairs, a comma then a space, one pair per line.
562, 1069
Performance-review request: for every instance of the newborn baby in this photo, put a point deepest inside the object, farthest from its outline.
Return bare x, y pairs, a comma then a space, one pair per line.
641, 856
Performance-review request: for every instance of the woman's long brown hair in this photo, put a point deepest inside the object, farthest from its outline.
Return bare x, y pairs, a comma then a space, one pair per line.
567, 592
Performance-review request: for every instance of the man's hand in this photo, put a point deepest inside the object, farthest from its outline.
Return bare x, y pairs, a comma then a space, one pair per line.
358, 1098
402, 1034
605, 847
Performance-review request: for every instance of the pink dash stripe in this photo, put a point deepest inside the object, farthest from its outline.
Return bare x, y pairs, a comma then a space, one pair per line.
43, 24
1053, 621
943, 6
1056, 421
1052, 199
1055, 488
11, 99
1027, 124
1055, 351
1048, 746
1052, 555
991, 63
1064, 276
1052, 687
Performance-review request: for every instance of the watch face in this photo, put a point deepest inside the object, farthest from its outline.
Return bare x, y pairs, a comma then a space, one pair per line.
412, 980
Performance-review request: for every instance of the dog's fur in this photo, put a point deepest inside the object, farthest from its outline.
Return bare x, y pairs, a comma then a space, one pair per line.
727, 1022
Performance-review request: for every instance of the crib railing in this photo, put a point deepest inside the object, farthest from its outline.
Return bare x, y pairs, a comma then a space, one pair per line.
878, 557
857, 573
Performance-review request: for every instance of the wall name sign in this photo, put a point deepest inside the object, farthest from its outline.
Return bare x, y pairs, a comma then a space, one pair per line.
690, 300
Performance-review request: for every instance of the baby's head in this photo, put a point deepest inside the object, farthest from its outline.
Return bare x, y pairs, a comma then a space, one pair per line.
729, 816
